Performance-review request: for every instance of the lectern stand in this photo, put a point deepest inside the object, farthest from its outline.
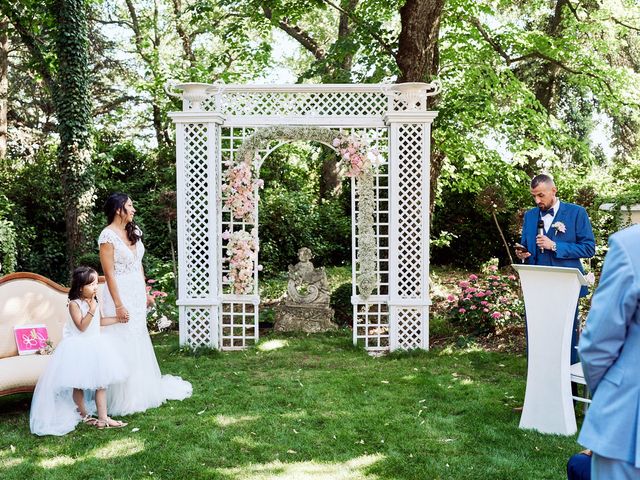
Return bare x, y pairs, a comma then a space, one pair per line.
550, 300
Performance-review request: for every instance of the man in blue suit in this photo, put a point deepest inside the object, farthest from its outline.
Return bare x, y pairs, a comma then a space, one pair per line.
566, 236
610, 354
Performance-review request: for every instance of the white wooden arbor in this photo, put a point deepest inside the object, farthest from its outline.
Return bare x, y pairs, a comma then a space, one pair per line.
211, 127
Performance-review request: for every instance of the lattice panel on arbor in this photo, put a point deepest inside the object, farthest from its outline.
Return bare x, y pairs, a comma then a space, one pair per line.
410, 324
197, 208
239, 325
239, 315
330, 104
371, 325
410, 211
198, 325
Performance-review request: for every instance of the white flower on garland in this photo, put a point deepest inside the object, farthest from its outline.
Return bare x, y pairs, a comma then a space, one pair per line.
357, 160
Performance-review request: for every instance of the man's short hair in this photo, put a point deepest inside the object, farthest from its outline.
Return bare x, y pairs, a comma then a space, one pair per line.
542, 178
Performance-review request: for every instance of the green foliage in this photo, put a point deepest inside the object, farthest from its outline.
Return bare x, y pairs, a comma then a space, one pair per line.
291, 216
37, 213
341, 304
471, 231
149, 179
7, 246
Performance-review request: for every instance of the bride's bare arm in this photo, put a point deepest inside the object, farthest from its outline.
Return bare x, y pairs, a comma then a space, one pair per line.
106, 260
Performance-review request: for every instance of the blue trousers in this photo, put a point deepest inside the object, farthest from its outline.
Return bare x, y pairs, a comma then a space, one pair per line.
579, 467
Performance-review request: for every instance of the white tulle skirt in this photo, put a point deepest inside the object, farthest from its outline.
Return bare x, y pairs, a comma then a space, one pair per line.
81, 361
145, 387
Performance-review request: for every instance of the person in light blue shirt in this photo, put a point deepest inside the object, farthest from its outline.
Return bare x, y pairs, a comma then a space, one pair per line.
610, 353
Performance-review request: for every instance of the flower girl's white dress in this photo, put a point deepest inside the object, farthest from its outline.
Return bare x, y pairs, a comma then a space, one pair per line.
146, 387
84, 360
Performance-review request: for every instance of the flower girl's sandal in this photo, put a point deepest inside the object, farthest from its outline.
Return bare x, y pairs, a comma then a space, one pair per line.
89, 420
110, 423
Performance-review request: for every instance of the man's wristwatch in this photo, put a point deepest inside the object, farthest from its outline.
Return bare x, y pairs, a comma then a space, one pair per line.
554, 247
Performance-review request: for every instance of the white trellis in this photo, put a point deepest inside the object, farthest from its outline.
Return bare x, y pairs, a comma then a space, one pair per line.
212, 126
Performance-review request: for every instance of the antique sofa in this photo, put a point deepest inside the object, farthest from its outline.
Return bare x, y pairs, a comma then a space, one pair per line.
28, 298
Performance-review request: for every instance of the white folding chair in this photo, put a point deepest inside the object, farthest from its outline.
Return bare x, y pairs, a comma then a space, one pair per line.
577, 377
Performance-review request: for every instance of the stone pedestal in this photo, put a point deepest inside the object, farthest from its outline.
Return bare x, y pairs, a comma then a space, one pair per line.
304, 318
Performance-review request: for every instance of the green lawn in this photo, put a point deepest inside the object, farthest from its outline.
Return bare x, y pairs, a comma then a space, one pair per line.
307, 407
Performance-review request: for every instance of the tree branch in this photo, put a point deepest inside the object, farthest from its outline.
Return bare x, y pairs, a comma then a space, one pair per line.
535, 54
137, 34
186, 40
107, 107
30, 42
630, 27
304, 38
122, 23
388, 48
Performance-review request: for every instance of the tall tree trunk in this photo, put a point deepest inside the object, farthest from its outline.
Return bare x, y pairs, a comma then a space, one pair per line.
545, 86
418, 43
4, 87
418, 58
330, 180
73, 107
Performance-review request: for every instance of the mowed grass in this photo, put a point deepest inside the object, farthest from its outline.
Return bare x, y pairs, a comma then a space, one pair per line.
307, 407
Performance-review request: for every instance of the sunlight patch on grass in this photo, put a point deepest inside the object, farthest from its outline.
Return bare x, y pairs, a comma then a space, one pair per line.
119, 448
226, 420
59, 461
245, 441
270, 345
350, 470
295, 415
10, 462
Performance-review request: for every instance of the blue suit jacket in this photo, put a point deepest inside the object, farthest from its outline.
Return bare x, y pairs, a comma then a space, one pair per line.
610, 353
576, 243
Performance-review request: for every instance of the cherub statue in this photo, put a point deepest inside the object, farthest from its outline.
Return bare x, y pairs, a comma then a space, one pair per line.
306, 283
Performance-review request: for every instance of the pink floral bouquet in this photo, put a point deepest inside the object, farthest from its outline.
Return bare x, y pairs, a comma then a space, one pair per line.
356, 156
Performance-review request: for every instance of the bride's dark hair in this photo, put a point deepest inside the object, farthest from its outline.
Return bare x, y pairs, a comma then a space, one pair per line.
115, 202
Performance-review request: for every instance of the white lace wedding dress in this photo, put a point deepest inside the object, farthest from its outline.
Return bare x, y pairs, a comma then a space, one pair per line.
146, 387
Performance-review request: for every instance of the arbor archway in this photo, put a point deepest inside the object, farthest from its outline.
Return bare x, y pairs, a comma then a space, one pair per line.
212, 132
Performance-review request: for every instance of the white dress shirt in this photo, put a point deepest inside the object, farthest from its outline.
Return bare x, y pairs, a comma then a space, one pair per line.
548, 219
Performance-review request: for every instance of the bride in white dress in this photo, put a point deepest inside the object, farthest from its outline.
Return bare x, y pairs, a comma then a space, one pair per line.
121, 252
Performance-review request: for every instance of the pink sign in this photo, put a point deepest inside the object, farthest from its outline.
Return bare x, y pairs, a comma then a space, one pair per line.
31, 338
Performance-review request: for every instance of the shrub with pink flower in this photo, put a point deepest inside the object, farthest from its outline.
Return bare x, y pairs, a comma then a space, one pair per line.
486, 301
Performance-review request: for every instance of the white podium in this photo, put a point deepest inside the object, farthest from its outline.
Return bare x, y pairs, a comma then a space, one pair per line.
550, 300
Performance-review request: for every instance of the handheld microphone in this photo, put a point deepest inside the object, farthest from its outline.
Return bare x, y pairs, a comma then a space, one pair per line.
541, 232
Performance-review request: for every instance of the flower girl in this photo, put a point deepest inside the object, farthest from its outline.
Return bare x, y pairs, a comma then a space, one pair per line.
83, 361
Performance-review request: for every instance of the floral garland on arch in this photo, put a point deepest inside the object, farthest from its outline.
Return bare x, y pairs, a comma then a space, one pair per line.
358, 160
